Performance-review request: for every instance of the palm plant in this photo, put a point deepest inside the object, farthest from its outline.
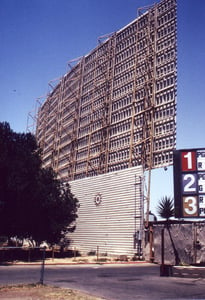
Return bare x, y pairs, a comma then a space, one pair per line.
165, 209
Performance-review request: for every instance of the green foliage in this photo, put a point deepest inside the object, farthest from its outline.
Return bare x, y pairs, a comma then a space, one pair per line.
33, 203
165, 208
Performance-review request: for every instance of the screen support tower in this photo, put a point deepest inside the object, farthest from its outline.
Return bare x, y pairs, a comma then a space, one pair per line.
115, 108
149, 76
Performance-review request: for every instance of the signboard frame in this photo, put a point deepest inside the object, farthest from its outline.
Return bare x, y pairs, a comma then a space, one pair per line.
189, 183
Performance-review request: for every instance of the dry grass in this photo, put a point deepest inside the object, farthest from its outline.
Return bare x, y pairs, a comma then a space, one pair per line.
41, 292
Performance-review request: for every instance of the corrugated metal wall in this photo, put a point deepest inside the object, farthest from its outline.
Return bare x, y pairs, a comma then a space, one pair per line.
110, 212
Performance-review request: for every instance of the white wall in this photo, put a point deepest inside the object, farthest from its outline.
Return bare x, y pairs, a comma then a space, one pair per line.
110, 224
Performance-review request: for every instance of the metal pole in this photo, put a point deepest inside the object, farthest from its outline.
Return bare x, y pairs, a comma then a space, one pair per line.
135, 221
148, 196
43, 266
97, 253
162, 271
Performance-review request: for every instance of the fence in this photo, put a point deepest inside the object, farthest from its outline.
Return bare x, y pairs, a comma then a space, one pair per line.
186, 238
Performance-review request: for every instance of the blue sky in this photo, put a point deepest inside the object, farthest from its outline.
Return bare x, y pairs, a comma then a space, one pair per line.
39, 37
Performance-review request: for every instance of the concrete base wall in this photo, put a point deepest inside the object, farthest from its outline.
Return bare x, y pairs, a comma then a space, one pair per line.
188, 240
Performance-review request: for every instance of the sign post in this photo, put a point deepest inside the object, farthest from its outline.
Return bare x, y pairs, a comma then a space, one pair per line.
189, 183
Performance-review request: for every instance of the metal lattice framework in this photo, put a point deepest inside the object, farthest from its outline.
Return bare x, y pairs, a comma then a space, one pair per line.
116, 107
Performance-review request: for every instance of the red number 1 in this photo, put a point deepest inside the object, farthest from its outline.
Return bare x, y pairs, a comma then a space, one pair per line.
188, 161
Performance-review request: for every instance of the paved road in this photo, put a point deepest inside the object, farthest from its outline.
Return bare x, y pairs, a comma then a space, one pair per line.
113, 282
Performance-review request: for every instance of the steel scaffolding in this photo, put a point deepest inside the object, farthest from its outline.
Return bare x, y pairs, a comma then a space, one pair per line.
116, 107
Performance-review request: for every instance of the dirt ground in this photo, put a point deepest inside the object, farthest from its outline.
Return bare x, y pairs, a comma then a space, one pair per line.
41, 292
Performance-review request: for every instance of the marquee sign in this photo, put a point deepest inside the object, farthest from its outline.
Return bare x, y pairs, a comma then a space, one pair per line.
189, 183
